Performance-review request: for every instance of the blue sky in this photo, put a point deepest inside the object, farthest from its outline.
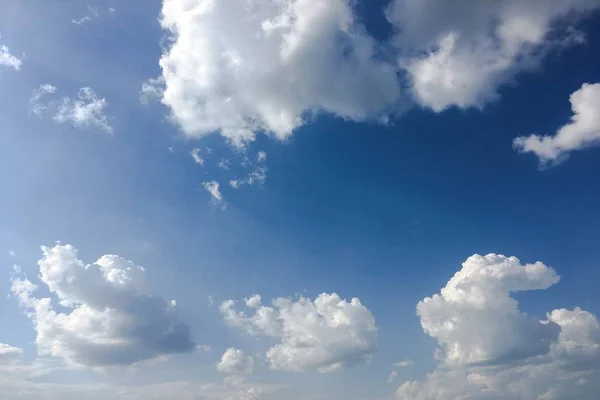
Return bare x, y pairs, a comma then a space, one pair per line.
362, 151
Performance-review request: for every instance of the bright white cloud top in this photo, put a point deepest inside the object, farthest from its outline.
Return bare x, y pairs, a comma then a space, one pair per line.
111, 319
268, 65
583, 130
491, 350
235, 361
324, 335
472, 48
264, 65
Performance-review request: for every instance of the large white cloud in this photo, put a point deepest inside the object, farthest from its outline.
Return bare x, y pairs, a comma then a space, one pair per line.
235, 361
583, 130
490, 350
241, 67
111, 320
458, 53
325, 334
238, 67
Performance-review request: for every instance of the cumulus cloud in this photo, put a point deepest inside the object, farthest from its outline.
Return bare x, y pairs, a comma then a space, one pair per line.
235, 361
392, 376
460, 53
325, 334
491, 350
9, 353
195, 153
87, 110
479, 296
583, 130
108, 318
8, 60
271, 65
268, 65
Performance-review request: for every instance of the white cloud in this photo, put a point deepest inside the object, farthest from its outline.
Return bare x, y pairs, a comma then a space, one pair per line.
109, 319
87, 110
403, 364
583, 130
212, 187
235, 361
392, 376
12, 254
460, 53
195, 153
325, 334
8, 60
479, 296
267, 65
9, 353
490, 350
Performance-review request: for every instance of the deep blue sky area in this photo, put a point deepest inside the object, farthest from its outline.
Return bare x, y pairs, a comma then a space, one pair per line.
382, 212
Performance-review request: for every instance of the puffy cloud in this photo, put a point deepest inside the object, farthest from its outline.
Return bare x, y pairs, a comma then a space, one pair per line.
109, 317
325, 334
235, 361
9, 353
490, 350
267, 65
8, 60
458, 53
87, 110
583, 130
479, 296
195, 153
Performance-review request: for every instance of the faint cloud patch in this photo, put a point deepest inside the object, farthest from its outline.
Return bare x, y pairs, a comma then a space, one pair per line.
86, 110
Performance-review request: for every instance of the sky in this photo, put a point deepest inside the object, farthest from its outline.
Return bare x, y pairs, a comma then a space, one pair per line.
299, 199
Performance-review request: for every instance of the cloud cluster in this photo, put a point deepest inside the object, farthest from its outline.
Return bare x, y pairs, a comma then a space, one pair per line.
491, 350
269, 65
583, 130
235, 361
87, 110
110, 319
325, 334
460, 53
8, 60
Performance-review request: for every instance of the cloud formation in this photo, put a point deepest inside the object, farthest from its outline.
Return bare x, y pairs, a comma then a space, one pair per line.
460, 53
583, 130
111, 320
324, 335
87, 110
235, 361
8, 60
491, 350
268, 65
